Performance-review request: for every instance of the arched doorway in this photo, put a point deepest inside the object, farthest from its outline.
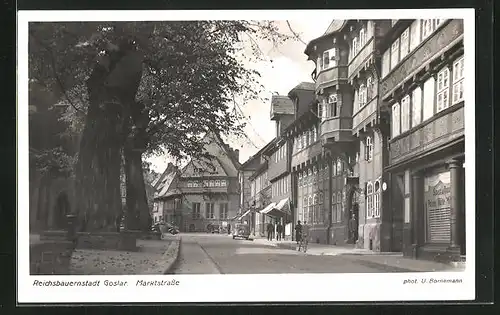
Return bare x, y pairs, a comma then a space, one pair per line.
62, 208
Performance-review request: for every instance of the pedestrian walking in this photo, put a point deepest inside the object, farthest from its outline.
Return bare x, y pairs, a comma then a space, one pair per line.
304, 240
298, 231
270, 229
279, 231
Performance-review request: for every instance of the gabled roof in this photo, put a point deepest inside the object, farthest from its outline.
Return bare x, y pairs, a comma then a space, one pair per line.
213, 168
258, 155
166, 184
335, 26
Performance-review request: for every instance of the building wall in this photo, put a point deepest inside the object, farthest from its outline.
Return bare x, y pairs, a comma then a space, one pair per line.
184, 215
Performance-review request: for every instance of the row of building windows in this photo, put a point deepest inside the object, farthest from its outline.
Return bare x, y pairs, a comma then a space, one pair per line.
210, 211
413, 108
259, 183
207, 183
411, 37
280, 187
313, 211
358, 42
280, 154
306, 138
364, 94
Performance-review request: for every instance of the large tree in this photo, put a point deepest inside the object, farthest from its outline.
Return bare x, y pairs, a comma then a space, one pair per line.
140, 88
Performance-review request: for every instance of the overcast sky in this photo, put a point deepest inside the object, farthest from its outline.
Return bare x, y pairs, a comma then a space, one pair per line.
285, 67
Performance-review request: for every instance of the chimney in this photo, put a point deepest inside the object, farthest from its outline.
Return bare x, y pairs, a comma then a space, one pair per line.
237, 154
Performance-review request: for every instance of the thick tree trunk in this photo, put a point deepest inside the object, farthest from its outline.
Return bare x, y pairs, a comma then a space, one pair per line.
138, 217
112, 88
97, 173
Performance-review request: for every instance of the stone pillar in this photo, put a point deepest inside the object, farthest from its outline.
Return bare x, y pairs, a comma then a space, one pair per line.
417, 212
456, 204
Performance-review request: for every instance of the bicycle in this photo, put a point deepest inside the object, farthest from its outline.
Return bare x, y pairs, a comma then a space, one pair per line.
304, 241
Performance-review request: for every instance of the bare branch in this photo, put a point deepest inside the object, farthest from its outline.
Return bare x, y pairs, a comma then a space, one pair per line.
295, 33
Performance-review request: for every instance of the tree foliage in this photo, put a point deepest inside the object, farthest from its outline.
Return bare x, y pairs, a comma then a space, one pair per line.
192, 72
142, 87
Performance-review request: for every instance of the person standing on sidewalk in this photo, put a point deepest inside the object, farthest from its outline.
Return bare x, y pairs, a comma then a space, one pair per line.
270, 229
279, 229
353, 227
298, 231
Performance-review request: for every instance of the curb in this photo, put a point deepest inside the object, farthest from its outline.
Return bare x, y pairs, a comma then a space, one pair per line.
175, 257
169, 258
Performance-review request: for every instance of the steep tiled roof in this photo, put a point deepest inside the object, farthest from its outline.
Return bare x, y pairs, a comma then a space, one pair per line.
308, 86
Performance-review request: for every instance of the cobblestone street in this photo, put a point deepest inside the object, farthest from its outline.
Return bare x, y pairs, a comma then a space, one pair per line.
216, 253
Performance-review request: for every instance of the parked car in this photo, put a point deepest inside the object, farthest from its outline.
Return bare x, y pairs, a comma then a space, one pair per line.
215, 229
171, 228
241, 231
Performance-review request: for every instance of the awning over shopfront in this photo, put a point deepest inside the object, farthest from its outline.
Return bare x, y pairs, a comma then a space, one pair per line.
281, 209
240, 216
268, 208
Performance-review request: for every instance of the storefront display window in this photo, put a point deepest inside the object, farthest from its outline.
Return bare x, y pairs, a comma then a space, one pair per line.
437, 198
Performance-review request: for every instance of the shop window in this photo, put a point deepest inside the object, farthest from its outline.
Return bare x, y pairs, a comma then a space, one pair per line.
368, 148
443, 89
437, 195
369, 200
458, 81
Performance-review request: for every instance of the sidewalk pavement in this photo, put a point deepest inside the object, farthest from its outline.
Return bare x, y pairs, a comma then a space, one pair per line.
389, 260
